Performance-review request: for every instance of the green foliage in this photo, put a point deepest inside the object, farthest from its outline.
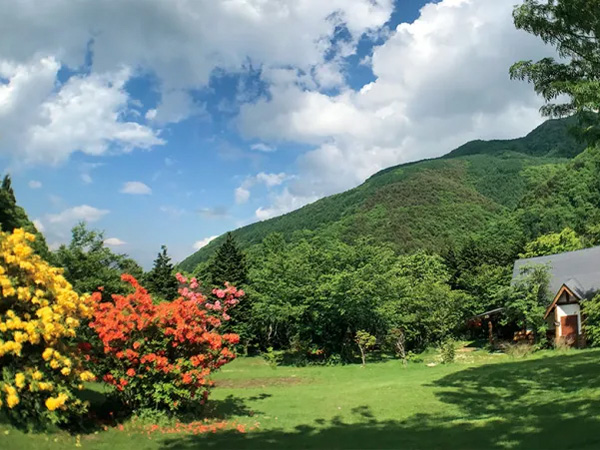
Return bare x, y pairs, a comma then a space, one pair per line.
430, 204
571, 26
527, 299
89, 264
552, 243
365, 342
13, 216
591, 314
161, 280
228, 265
448, 351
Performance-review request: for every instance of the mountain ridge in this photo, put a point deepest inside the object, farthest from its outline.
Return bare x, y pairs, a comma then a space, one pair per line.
423, 203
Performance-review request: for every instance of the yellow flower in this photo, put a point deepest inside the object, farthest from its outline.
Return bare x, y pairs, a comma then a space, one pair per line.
65, 371
37, 375
54, 364
87, 376
20, 380
45, 386
12, 401
47, 354
56, 402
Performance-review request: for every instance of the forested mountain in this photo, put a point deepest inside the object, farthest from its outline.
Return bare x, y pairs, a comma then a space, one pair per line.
433, 204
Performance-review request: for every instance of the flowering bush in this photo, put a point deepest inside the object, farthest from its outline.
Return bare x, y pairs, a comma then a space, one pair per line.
161, 356
39, 317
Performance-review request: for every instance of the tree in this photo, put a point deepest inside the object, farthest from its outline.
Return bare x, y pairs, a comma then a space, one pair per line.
13, 216
161, 279
89, 264
552, 243
365, 342
528, 298
571, 26
228, 264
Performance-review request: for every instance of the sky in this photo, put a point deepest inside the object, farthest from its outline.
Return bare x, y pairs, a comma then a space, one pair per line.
174, 121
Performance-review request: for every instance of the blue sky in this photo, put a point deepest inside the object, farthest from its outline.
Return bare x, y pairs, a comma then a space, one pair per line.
173, 122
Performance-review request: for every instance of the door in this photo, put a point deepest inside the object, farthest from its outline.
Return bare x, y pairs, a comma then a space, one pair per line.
569, 328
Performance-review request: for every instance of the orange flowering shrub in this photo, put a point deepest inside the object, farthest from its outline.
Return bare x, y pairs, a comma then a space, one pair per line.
40, 317
161, 356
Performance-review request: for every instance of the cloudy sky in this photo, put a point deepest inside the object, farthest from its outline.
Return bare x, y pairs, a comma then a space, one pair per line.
173, 121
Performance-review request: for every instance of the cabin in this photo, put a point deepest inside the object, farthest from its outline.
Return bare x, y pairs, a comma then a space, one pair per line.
574, 278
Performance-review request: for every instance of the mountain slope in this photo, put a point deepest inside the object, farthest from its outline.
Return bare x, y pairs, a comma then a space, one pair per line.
426, 204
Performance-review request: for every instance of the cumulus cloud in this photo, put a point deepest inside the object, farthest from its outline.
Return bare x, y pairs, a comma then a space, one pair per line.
182, 42
76, 214
242, 193
440, 81
136, 188
34, 184
216, 212
114, 242
203, 242
45, 122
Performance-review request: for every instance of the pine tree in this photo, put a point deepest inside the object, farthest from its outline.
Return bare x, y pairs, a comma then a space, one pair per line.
228, 264
160, 279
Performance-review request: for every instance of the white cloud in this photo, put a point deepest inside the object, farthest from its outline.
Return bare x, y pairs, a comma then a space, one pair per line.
34, 184
271, 179
203, 242
261, 147
39, 225
175, 105
76, 214
114, 242
182, 42
86, 178
135, 188
45, 122
440, 82
242, 193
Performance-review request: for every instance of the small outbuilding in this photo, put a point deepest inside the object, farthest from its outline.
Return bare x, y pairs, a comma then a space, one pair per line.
574, 277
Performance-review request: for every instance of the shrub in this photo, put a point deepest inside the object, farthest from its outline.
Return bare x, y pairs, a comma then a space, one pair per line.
161, 356
448, 351
365, 342
39, 318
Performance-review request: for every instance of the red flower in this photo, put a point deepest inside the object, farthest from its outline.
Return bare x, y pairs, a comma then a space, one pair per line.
130, 372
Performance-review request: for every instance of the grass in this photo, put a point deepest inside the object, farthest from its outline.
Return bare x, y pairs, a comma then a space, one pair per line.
548, 400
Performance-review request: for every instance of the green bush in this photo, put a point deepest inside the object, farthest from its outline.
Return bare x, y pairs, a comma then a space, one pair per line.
448, 351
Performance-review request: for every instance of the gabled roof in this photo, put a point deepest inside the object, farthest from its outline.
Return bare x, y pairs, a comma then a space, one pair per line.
578, 270
564, 288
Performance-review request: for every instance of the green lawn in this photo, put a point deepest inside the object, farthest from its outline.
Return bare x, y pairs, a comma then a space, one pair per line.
550, 400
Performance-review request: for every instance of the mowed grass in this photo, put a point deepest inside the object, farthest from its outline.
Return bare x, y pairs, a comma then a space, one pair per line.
549, 400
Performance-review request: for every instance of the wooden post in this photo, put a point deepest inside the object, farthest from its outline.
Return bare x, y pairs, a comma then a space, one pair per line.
491, 332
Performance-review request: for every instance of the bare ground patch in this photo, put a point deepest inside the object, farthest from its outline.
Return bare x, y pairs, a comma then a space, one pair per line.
261, 382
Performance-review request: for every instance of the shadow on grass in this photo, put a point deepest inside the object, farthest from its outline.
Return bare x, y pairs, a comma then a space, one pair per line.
546, 403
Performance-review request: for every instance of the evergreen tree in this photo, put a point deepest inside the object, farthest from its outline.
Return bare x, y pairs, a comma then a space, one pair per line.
228, 264
160, 279
13, 216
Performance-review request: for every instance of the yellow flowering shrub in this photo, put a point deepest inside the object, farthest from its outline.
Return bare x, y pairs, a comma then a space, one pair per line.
39, 318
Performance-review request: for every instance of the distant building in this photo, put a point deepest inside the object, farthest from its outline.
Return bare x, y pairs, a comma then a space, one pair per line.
574, 277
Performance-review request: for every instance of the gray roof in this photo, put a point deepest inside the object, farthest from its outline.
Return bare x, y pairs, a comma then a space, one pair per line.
579, 270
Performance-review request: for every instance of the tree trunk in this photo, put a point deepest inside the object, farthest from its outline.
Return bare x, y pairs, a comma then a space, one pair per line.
362, 355
400, 347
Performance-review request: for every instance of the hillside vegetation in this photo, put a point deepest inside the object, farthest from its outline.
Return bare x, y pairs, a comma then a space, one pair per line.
429, 204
